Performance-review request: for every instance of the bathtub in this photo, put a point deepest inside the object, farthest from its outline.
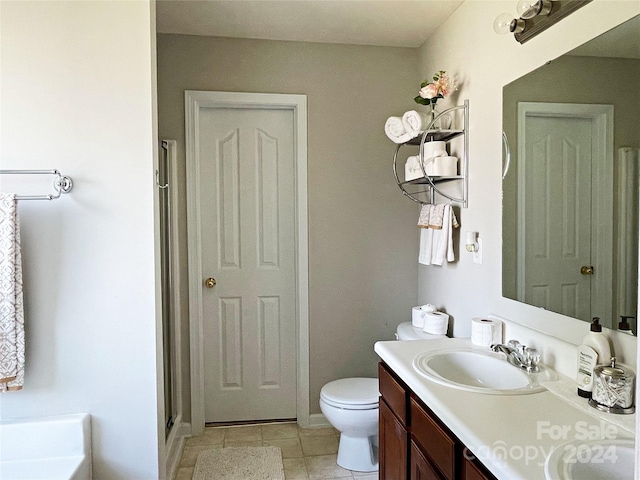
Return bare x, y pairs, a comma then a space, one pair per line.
51, 448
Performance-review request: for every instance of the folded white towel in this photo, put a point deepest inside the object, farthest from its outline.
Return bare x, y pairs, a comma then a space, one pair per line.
415, 122
395, 130
412, 168
442, 167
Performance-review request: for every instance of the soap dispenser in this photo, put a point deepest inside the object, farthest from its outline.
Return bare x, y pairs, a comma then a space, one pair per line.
595, 349
623, 325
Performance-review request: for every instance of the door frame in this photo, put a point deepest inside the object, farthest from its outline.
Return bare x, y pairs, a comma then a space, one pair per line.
194, 102
601, 185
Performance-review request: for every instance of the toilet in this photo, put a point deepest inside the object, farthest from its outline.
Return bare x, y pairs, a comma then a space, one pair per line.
351, 406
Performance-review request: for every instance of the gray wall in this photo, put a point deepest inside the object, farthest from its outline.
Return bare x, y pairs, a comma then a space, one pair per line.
362, 235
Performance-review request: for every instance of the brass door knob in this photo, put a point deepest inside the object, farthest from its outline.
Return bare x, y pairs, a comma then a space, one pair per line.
210, 282
586, 270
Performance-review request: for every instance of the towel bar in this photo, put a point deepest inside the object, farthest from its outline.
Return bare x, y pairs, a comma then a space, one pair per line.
61, 183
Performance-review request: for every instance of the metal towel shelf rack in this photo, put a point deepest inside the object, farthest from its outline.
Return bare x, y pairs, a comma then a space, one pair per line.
61, 183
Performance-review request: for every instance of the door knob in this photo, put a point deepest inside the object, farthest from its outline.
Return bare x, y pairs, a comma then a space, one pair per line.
586, 270
210, 282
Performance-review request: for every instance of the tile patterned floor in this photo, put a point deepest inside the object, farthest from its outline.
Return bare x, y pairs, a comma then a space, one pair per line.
307, 453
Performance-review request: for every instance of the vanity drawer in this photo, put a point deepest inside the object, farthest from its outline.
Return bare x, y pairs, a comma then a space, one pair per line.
394, 393
438, 444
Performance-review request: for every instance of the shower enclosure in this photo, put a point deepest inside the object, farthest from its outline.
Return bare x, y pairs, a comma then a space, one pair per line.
166, 157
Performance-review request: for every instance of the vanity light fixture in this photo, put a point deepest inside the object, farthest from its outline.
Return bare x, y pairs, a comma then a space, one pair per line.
472, 242
535, 17
530, 8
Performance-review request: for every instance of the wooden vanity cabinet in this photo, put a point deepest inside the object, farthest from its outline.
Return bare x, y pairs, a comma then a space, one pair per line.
414, 443
393, 435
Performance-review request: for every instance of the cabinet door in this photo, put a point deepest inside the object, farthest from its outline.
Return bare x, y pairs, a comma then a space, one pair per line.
393, 446
420, 468
437, 443
474, 471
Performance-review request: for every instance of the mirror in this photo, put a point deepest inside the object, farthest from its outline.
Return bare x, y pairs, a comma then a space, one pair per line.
570, 195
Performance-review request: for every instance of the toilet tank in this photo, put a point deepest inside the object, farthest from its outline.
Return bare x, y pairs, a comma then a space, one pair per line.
406, 331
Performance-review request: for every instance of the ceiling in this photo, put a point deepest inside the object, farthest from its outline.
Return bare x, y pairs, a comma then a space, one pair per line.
396, 23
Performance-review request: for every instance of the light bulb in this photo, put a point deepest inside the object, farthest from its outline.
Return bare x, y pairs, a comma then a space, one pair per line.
528, 8
502, 23
506, 23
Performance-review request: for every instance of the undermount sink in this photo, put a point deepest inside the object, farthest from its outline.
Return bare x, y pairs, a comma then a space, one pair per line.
480, 371
595, 460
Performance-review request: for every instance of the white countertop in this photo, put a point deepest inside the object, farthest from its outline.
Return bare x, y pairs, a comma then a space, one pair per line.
512, 435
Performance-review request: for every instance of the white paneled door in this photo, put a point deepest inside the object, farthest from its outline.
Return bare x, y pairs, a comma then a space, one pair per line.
566, 173
247, 222
559, 210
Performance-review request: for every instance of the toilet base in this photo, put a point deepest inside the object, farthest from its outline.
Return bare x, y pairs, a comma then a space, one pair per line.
351, 453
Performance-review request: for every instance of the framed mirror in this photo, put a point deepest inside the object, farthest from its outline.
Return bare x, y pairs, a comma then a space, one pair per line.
570, 194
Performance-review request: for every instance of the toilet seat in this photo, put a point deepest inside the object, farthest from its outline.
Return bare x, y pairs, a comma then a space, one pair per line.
351, 393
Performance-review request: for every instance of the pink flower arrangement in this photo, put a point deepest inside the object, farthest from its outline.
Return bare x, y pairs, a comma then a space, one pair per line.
430, 92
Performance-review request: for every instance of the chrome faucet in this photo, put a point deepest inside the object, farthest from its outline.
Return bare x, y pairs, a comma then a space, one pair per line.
519, 355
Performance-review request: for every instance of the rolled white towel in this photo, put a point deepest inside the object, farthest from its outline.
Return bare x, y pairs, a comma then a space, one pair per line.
395, 130
414, 122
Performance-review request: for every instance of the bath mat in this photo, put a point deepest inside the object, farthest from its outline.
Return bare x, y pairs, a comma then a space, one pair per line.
240, 463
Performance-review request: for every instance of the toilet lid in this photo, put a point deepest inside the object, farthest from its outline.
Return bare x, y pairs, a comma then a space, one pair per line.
351, 392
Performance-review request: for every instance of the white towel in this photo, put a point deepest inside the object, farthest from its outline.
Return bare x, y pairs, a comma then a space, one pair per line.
415, 122
436, 245
412, 168
11, 305
426, 246
395, 130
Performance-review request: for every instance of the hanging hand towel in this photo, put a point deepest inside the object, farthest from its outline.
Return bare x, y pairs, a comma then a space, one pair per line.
443, 240
425, 215
436, 245
11, 306
426, 246
436, 221
395, 130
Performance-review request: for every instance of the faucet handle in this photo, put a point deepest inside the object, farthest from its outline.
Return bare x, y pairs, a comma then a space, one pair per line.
515, 344
531, 358
518, 348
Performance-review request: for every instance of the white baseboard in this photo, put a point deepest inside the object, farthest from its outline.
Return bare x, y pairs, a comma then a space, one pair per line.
318, 420
175, 443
